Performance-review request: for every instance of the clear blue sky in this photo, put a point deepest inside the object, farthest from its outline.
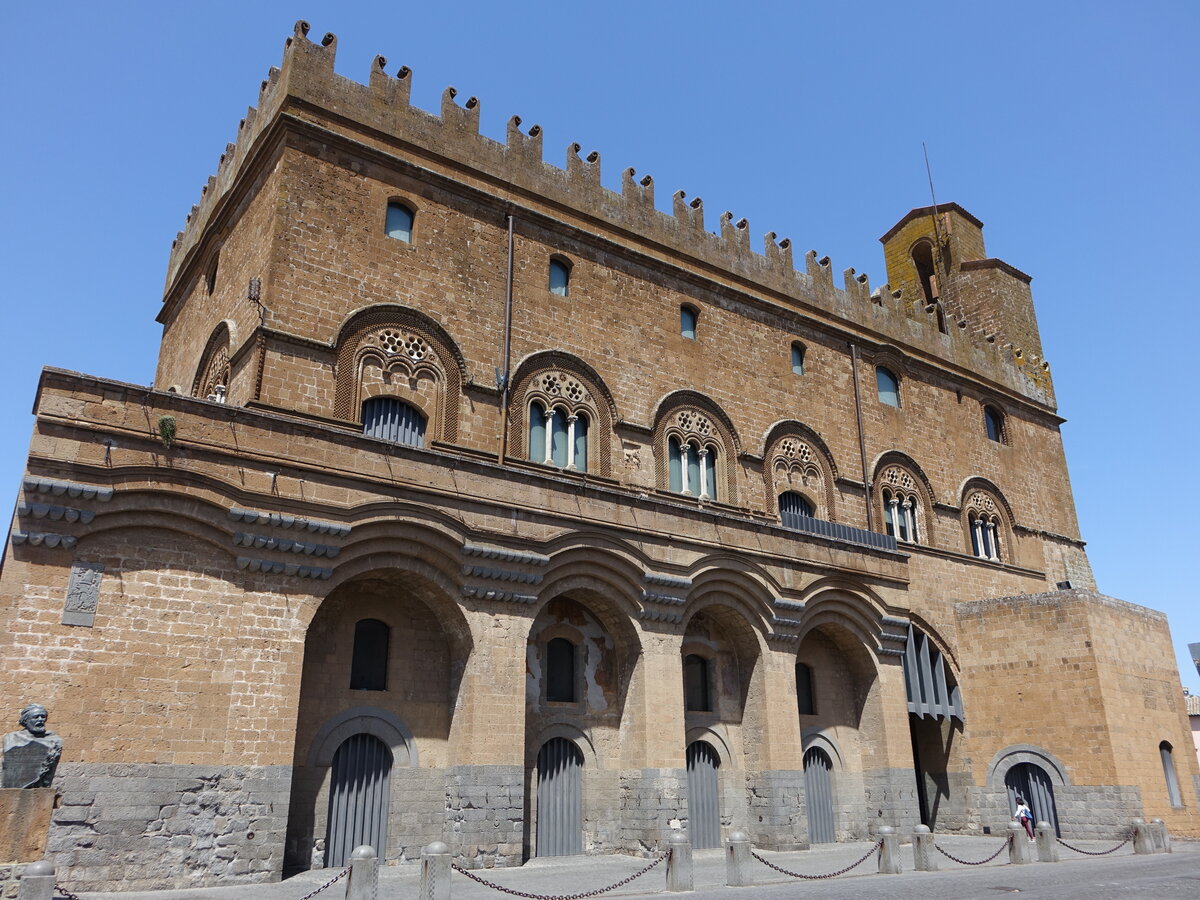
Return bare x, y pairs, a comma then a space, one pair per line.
1070, 129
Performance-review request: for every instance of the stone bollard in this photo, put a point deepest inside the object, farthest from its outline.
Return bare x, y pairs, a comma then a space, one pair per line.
363, 881
1162, 838
1143, 840
924, 855
679, 862
37, 881
889, 853
435, 872
1047, 846
1018, 845
738, 860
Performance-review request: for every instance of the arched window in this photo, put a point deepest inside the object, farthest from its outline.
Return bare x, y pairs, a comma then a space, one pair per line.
1168, 764
688, 316
560, 671
393, 420
993, 420
692, 468
804, 691
985, 540
889, 386
556, 438
210, 277
560, 277
797, 358
922, 257
695, 684
400, 222
793, 507
900, 515
369, 661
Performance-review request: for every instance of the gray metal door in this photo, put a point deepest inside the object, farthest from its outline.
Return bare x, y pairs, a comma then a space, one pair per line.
818, 795
704, 799
560, 799
358, 798
1031, 781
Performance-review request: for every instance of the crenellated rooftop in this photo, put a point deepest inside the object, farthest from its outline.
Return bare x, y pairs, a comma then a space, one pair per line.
306, 80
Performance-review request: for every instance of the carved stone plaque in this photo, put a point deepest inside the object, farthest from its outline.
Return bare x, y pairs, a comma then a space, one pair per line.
25, 767
83, 593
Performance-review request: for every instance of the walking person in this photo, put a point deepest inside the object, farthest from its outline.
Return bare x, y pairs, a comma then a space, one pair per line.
1024, 815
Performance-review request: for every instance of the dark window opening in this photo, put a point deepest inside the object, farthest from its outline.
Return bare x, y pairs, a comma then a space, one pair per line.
994, 421
804, 690
922, 257
888, 385
560, 671
369, 661
695, 684
797, 359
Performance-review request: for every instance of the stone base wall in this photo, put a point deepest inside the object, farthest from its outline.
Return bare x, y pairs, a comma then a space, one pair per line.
891, 799
1101, 812
777, 812
10, 880
483, 817
136, 827
650, 801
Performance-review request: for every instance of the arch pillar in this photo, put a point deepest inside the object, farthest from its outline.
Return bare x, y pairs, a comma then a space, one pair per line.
888, 778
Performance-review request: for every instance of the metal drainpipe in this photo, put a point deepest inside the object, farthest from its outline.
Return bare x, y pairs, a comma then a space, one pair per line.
508, 304
862, 440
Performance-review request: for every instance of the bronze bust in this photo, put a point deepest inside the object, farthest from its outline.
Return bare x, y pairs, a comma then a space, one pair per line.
31, 754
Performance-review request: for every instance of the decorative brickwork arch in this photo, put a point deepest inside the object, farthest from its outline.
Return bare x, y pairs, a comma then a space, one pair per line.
690, 417
904, 497
796, 459
987, 521
558, 380
396, 351
214, 370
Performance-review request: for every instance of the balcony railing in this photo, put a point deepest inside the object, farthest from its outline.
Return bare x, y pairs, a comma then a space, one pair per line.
840, 532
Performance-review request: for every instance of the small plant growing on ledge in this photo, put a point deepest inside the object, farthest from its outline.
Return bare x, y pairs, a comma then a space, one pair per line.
166, 430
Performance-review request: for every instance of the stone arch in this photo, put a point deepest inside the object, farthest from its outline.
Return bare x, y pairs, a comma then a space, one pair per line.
562, 379
737, 583
399, 343
214, 368
816, 737
688, 414
373, 720
793, 450
1015, 754
416, 708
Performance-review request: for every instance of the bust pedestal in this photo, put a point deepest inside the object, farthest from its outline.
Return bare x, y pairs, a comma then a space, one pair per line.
25, 823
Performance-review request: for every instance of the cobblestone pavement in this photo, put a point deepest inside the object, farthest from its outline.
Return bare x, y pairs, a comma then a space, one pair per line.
1120, 874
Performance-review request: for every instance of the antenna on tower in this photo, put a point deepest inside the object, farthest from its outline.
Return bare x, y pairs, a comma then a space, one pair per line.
937, 232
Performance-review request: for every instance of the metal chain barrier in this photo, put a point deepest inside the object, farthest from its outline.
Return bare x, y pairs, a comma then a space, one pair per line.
330, 883
61, 891
963, 862
783, 871
1097, 852
527, 896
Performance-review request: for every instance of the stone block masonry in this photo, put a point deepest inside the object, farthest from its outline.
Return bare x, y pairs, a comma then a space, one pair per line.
145, 827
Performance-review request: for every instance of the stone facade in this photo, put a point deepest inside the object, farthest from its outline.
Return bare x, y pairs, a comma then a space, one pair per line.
221, 583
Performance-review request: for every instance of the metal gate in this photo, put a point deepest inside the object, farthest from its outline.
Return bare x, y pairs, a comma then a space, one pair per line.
818, 795
1031, 781
559, 799
358, 798
704, 800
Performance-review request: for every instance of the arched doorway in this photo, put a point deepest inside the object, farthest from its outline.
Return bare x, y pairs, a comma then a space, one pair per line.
358, 798
704, 799
818, 796
1032, 782
559, 799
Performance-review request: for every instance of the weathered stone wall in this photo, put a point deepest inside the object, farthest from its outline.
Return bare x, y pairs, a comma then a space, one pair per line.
145, 826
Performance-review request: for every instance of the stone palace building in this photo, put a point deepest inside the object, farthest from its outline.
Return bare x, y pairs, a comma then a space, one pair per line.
476, 502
